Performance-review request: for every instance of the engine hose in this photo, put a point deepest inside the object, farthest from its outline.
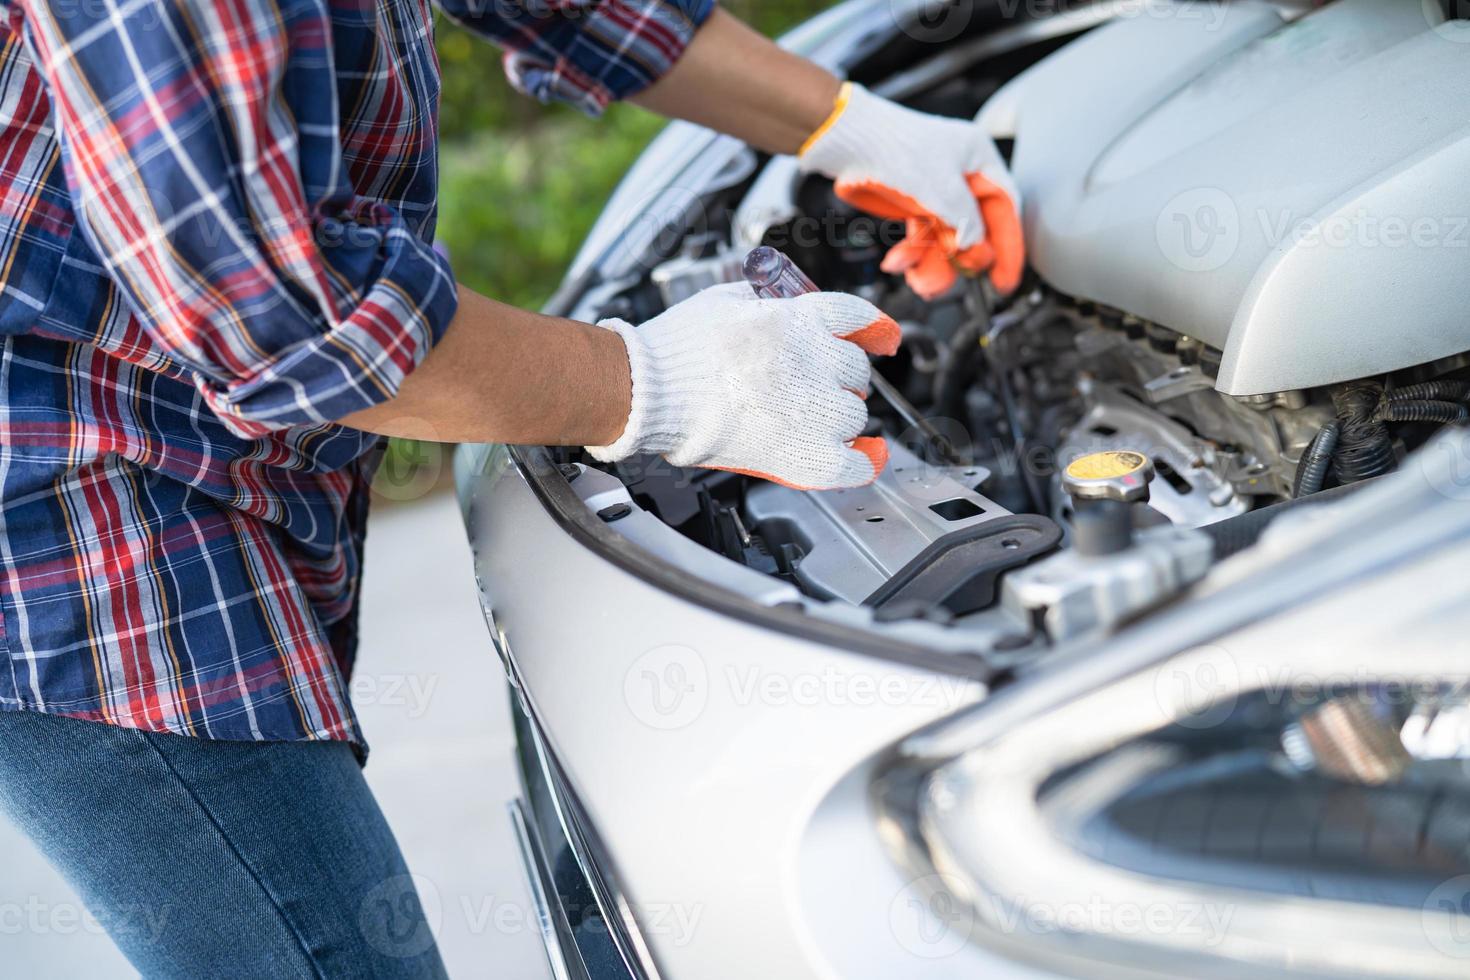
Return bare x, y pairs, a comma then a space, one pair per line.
1422, 410
963, 358
1449, 391
1312, 470
1238, 533
958, 368
1364, 448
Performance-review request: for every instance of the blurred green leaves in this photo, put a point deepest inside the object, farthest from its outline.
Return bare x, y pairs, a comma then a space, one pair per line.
516, 202
521, 183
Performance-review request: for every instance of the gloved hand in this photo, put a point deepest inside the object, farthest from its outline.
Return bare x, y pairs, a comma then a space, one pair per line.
943, 177
772, 388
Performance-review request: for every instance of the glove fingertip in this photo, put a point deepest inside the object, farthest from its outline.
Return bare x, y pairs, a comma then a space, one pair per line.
1003, 230
876, 199
880, 337
875, 448
977, 258
901, 257
931, 277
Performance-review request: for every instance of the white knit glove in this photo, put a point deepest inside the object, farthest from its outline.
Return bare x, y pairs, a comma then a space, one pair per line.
768, 387
943, 177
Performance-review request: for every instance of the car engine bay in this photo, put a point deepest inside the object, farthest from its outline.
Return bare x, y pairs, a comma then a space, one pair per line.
970, 527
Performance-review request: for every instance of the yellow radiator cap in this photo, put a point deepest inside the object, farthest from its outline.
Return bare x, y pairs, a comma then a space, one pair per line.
1116, 474
1106, 466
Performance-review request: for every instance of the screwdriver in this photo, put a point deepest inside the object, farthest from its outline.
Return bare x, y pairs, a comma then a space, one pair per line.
773, 275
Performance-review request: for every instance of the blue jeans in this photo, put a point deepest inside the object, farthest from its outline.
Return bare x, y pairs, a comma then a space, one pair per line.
204, 858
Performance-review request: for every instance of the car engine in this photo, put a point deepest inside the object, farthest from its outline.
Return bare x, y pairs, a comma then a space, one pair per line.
1243, 380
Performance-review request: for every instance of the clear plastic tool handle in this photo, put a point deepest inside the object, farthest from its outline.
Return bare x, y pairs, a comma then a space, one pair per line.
773, 275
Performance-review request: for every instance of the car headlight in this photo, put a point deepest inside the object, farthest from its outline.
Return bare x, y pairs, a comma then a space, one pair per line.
1289, 794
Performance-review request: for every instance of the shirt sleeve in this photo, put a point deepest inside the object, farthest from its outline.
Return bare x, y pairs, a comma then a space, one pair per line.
585, 52
201, 148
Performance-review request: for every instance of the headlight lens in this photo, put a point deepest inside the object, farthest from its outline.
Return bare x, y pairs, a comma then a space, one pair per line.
1291, 798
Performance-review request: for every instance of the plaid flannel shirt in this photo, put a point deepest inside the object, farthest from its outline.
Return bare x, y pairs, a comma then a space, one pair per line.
215, 227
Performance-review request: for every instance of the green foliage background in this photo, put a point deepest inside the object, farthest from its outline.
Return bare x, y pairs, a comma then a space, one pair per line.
521, 183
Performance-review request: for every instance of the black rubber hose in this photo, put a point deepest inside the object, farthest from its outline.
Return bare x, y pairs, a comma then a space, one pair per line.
1238, 533
1448, 391
1364, 448
1312, 470
957, 369
1422, 410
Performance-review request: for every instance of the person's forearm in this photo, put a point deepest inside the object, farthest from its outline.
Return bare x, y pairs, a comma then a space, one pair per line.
500, 374
737, 81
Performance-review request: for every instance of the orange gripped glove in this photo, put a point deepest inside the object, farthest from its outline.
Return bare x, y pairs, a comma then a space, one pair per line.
942, 177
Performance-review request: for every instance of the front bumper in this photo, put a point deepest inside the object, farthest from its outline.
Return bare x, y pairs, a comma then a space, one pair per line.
711, 752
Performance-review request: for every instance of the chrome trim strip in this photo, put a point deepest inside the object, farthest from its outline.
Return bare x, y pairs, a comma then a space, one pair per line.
538, 879
591, 856
608, 896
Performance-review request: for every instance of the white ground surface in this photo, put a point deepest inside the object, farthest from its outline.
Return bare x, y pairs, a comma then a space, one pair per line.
432, 701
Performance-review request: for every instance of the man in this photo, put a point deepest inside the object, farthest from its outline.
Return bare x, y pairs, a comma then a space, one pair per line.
219, 292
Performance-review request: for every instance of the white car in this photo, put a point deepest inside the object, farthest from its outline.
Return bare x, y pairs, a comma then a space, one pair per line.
1154, 663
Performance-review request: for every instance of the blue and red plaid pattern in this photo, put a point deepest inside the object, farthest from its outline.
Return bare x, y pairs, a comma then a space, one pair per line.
215, 219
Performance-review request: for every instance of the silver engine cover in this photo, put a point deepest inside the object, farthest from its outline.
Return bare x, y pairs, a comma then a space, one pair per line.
1296, 195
